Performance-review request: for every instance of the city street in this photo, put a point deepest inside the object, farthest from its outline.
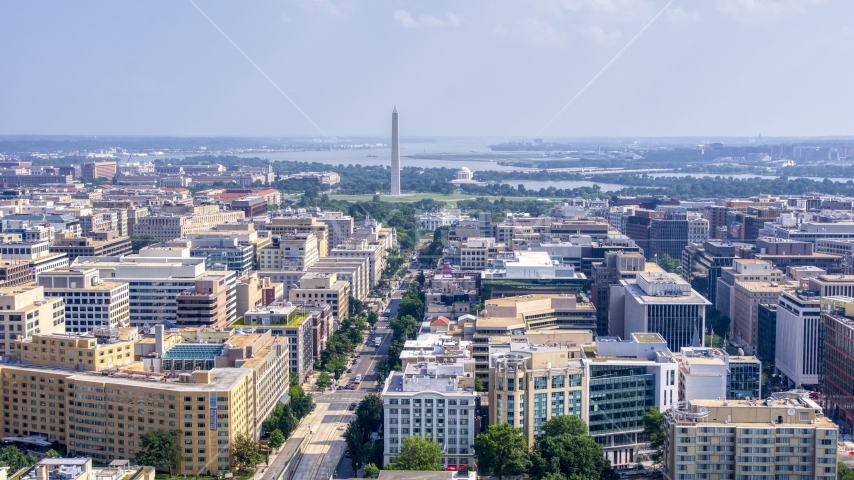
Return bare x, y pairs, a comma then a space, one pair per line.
326, 425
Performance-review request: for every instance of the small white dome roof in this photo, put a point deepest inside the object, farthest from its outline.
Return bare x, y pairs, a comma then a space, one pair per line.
464, 170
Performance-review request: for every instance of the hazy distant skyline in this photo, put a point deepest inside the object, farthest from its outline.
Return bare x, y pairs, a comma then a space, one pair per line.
480, 68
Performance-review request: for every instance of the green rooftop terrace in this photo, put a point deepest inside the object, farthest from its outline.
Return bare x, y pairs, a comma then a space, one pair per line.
273, 320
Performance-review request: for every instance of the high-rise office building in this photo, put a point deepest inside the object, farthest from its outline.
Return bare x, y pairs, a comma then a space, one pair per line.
799, 337
623, 379
617, 266
395, 153
658, 233
662, 303
836, 376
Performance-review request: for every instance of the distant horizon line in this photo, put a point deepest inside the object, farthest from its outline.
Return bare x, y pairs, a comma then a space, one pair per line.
6, 136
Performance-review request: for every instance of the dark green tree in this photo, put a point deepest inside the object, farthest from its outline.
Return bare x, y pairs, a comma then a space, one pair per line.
371, 471
844, 472
573, 456
141, 241
418, 453
357, 446
15, 459
323, 380
502, 451
653, 429
245, 453
369, 413
372, 318
337, 365
160, 449
478, 385
564, 424
670, 264
300, 402
277, 439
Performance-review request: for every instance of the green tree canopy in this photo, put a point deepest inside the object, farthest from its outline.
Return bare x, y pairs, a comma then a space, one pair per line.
300, 401
844, 472
670, 264
277, 439
323, 380
573, 456
358, 447
369, 413
502, 451
564, 424
15, 459
567, 450
478, 385
141, 241
160, 449
653, 428
245, 453
371, 471
418, 453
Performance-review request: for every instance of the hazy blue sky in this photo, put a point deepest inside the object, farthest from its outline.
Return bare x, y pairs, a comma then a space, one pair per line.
465, 67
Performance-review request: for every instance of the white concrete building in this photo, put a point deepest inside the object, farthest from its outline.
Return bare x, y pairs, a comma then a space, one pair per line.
710, 373
528, 264
434, 400
89, 302
698, 229
156, 281
799, 337
662, 303
431, 221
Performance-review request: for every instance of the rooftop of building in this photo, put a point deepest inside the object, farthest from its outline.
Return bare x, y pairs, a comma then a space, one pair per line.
763, 286
792, 399
835, 278
810, 255
194, 351
221, 379
295, 313
430, 371
648, 337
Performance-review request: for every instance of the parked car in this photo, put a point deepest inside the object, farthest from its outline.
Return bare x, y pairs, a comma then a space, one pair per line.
352, 406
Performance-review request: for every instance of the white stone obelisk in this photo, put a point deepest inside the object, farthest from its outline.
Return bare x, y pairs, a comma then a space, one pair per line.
395, 153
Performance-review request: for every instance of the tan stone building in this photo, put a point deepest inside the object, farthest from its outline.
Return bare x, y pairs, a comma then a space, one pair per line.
542, 314
746, 298
27, 311
530, 384
169, 226
355, 248
286, 225
211, 405
326, 288
785, 436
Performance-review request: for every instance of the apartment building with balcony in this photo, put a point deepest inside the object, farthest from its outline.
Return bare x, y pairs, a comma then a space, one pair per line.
785, 436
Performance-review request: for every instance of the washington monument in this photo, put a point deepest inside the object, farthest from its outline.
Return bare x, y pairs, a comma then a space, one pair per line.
395, 153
